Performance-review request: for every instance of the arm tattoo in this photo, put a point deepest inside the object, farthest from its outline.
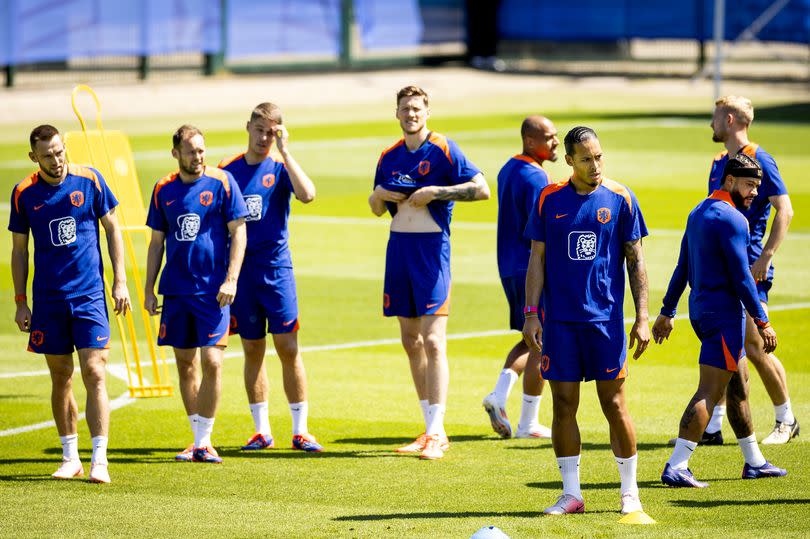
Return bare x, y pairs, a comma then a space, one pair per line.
464, 192
637, 273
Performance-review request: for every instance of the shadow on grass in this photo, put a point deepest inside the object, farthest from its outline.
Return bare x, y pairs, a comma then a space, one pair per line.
235, 452
641, 446
398, 441
702, 504
555, 485
449, 514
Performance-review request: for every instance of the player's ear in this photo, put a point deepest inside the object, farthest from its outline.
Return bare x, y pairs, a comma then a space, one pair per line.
32, 157
569, 160
175, 153
247, 125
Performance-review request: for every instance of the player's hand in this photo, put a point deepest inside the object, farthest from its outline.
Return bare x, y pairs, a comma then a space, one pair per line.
150, 303
227, 292
389, 196
768, 335
760, 268
120, 296
640, 336
422, 196
282, 136
533, 333
662, 327
23, 317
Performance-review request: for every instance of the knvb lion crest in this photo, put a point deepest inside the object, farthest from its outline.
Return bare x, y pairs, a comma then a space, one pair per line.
206, 198
77, 198
603, 215
582, 245
254, 206
189, 224
63, 231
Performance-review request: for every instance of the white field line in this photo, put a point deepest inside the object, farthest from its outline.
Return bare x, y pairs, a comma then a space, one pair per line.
361, 142
118, 371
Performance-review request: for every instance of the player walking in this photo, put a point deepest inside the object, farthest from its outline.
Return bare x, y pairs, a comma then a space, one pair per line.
193, 212
417, 181
583, 231
61, 205
519, 184
266, 298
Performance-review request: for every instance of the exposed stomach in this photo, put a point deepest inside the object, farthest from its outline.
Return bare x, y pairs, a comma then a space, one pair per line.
411, 219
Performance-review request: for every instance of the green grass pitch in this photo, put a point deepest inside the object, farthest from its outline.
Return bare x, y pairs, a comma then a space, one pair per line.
362, 404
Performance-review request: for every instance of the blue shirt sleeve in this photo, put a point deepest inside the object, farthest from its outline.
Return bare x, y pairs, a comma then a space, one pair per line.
735, 251
633, 225
535, 229
104, 198
772, 183
378, 174
155, 219
531, 190
18, 219
463, 170
677, 284
235, 207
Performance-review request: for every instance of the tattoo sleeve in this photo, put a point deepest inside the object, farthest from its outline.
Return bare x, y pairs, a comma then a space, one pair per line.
637, 273
464, 192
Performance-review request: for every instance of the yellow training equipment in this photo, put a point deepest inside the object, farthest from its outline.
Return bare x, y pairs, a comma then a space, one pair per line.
110, 153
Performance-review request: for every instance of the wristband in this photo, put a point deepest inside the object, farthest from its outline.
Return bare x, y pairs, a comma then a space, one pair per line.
528, 309
761, 324
20, 297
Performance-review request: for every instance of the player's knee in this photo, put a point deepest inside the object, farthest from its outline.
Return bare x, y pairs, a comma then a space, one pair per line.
434, 345
62, 374
737, 388
287, 351
412, 343
211, 364
565, 406
755, 353
93, 373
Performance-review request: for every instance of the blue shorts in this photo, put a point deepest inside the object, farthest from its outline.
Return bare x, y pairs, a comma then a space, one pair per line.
193, 321
266, 302
417, 274
59, 326
577, 351
763, 287
722, 341
515, 289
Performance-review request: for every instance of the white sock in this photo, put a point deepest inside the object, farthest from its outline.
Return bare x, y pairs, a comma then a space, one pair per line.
435, 423
784, 413
716, 422
627, 473
202, 436
679, 460
750, 450
424, 405
503, 386
192, 420
70, 446
529, 409
299, 417
99, 450
261, 417
569, 469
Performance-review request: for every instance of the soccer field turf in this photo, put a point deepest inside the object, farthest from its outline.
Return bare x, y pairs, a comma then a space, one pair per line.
362, 403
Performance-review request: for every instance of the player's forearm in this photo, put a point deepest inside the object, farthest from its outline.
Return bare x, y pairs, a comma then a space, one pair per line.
376, 204
237, 253
637, 275
535, 277
154, 257
302, 185
779, 229
19, 270
475, 189
115, 246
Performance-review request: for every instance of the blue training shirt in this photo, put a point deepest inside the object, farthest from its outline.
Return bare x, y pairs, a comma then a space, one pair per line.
438, 161
195, 216
584, 237
63, 219
713, 260
519, 184
267, 190
760, 210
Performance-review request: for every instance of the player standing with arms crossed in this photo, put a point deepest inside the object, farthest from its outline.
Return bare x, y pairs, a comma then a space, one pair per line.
193, 212
583, 231
519, 184
714, 261
730, 121
266, 299
417, 181
61, 205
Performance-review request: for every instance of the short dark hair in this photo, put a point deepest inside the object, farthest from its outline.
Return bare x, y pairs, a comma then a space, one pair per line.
184, 132
268, 111
742, 166
411, 91
42, 132
578, 135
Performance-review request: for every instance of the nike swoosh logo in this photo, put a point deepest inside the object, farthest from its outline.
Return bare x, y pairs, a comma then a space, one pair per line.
560, 215
38, 206
212, 335
430, 305
169, 203
613, 369
102, 338
287, 323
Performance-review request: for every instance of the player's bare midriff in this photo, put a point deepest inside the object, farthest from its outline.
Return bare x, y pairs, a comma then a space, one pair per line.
411, 219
